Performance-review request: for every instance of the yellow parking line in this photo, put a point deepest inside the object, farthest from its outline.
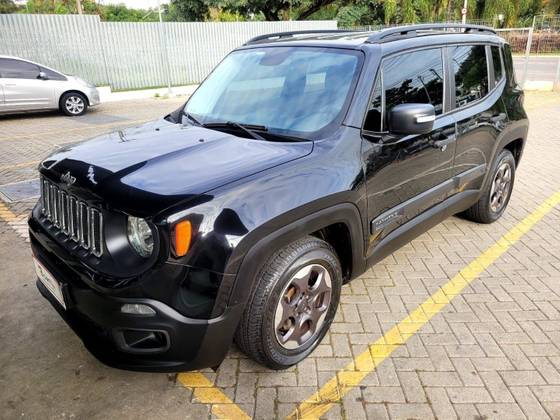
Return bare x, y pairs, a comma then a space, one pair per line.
205, 392
6, 214
365, 363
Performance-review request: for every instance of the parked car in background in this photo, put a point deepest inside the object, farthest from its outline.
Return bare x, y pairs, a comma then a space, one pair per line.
28, 86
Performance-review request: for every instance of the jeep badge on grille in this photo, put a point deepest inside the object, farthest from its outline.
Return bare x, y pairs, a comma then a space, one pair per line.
67, 178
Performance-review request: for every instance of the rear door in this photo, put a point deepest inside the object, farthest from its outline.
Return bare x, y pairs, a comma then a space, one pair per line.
23, 90
479, 82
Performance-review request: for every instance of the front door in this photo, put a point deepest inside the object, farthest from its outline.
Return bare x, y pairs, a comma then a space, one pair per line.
23, 89
407, 174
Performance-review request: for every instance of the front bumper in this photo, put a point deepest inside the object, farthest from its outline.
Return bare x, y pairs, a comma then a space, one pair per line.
93, 97
174, 342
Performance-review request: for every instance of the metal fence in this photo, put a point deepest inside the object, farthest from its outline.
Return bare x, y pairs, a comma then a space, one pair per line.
131, 55
536, 52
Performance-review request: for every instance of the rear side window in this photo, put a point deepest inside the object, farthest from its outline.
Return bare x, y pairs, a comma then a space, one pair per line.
16, 69
471, 73
497, 63
508, 62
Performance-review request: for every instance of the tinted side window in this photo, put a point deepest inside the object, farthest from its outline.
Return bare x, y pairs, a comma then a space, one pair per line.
471, 73
508, 61
17, 69
374, 115
415, 77
497, 62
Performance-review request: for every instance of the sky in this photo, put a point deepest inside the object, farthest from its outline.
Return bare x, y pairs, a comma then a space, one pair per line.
136, 4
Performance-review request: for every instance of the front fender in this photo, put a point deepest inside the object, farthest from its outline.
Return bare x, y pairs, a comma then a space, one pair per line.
248, 258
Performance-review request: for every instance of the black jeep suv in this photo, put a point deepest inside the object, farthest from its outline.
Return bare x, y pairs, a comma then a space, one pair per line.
302, 159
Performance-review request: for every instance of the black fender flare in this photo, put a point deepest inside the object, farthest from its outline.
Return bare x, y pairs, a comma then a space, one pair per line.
251, 263
517, 130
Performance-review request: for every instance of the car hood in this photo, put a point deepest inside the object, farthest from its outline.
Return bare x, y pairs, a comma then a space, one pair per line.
145, 169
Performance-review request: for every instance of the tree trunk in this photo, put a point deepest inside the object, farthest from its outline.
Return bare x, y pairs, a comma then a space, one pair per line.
270, 15
315, 6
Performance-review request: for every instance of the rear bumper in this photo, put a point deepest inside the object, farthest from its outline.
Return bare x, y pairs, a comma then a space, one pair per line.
175, 342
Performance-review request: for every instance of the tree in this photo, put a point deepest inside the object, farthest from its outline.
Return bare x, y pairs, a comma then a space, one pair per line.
8, 6
190, 10
272, 10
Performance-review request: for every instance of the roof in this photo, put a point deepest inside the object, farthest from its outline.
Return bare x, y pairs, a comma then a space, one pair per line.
357, 39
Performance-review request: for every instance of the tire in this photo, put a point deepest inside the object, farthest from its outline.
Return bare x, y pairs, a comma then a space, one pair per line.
485, 209
261, 334
73, 104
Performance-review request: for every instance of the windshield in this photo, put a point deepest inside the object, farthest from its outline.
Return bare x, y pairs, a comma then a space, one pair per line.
295, 90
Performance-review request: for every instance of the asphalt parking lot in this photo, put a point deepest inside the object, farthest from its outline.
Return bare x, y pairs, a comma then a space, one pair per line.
462, 322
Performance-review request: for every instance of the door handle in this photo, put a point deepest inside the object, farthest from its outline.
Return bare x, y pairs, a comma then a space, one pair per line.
10, 84
443, 143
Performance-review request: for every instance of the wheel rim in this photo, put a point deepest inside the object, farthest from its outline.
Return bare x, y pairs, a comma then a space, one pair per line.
500, 187
303, 306
74, 104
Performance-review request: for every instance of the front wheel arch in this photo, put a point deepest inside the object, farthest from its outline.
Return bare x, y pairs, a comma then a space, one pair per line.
71, 91
248, 266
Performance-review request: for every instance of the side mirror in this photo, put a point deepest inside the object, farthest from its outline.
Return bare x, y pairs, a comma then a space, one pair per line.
411, 119
43, 76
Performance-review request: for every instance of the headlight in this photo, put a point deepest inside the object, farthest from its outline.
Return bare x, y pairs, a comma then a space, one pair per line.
140, 236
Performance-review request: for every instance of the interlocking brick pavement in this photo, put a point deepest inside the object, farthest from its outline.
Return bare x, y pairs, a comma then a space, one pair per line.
493, 352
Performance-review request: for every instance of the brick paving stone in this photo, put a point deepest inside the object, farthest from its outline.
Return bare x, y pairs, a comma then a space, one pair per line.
440, 403
410, 411
473, 395
528, 403
522, 377
376, 412
412, 387
500, 411
266, 403
496, 386
384, 394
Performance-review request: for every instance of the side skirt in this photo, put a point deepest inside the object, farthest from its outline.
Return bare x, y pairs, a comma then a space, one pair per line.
421, 223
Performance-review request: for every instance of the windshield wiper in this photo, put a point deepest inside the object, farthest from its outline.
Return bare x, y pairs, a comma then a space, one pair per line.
191, 118
247, 128
286, 137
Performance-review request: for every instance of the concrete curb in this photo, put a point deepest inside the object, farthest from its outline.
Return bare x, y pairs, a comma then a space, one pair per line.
106, 95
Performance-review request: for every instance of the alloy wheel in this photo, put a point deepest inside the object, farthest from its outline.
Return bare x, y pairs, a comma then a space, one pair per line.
302, 307
500, 187
74, 104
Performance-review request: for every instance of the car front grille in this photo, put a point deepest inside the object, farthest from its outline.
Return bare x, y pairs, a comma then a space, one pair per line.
73, 217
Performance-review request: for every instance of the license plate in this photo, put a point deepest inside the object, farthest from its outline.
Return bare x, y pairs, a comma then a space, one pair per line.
49, 282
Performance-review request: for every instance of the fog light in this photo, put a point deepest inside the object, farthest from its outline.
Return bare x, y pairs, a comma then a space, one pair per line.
137, 309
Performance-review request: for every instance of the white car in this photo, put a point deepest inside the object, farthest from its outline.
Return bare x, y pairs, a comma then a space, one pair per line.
28, 86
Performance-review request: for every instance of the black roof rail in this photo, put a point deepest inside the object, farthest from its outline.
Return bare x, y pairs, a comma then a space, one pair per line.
290, 34
398, 32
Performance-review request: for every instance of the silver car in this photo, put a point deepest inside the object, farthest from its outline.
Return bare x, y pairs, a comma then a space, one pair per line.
28, 86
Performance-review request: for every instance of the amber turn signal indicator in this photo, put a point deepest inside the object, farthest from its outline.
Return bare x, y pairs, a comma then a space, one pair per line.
183, 235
